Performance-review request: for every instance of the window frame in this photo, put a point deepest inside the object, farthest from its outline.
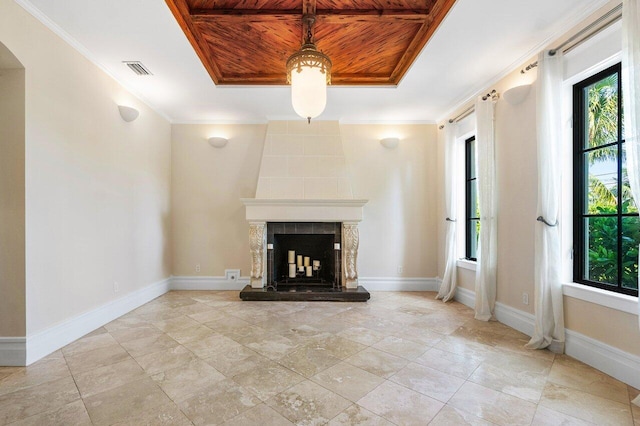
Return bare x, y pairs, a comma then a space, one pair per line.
581, 184
469, 218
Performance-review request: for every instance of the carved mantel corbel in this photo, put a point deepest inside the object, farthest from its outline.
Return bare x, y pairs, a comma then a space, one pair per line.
257, 243
351, 240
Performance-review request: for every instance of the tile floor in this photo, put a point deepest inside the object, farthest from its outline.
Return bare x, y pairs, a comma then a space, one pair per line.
401, 359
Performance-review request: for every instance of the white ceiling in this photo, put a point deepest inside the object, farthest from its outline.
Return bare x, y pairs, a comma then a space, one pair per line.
477, 43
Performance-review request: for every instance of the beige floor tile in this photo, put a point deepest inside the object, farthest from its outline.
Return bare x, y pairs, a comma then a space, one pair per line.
308, 360
235, 361
149, 345
308, 404
174, 324
209, 316
493, 406
142, 331
213, 344
72, 414
357, 415
96, 358
195, 308
218, 403
190, 334
126, 322
548, 417
456, 365
165, 360
406, 349
45, 370
85, 344
443, 323
162, 415
272, 346
520, 383
377, 362
400, 405
586, 406
124, 402
37, 399
362, 335
267, 379
348, 381
188, 379
427, 381
262, 415
336, 346
108, 377
480, 335
449, 416
571, 373
634, 397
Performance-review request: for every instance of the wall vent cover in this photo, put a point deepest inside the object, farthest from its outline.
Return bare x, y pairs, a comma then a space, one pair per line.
137, 67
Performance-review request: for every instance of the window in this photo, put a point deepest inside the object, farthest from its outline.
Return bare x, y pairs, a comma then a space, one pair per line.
606, 223
472, 215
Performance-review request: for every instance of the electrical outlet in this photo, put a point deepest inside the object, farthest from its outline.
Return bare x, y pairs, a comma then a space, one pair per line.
232, 274
197, 267
400, 269
116, 287
525, 298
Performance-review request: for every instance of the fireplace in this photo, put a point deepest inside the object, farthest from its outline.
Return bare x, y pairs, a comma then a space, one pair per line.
303, 254
304, 204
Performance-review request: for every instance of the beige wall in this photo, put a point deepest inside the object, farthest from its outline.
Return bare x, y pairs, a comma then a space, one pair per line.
209, 226
399, 222
208, 219
12, 228
97, 188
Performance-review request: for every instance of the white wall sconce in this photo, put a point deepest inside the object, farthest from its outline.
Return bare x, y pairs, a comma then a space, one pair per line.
218, 142
390, 143
516, 95
127, 113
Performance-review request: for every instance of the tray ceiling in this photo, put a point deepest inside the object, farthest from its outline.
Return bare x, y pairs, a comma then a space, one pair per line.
370, 42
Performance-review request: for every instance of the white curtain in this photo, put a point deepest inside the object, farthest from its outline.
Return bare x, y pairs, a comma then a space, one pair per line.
549, 315
448, 286
487, 201
631, 95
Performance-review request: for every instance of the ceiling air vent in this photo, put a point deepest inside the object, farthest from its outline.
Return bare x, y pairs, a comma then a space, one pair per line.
137, 67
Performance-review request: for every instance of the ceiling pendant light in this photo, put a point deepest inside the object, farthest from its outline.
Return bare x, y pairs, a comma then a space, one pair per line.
308, 72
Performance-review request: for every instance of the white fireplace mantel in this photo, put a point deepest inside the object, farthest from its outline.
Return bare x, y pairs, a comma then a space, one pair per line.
288, 210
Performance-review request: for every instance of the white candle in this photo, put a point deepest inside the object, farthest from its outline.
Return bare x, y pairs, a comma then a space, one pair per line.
301, 268
292, 256
299, 260
292, 270
269, 246
307, 261
336, 246
309, 271
316, 265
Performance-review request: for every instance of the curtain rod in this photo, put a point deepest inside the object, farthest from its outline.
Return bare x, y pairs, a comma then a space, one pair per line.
467, 112
584, 34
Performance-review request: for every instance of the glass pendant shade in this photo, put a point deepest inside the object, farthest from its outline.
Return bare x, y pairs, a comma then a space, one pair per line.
308, 91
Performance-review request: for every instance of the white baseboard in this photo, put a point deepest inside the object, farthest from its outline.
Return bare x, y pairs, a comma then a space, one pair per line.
208, 283
612, 361
13, 351
47, 341
466, 297
608, 359
398, 284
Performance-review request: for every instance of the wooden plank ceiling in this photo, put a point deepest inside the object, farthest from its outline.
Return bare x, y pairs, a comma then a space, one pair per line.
370, 42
